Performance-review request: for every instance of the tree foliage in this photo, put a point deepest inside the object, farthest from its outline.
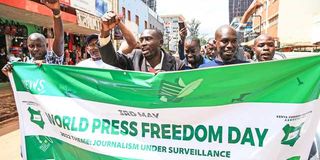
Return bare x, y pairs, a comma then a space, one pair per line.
194, 26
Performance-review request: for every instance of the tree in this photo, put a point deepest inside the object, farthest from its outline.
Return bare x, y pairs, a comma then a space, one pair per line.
203, 39
194, 26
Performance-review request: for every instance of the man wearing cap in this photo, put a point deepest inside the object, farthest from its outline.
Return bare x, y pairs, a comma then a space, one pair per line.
37, 45
92, 47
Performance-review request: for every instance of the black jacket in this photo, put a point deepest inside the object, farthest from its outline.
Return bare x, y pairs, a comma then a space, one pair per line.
135, 60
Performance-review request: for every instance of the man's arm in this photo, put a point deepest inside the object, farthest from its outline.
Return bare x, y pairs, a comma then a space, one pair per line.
111, 57
181, 50
107, 51
183, 34
58, 42
129, 37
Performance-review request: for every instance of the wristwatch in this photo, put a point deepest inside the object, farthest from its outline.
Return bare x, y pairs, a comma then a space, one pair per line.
56, 13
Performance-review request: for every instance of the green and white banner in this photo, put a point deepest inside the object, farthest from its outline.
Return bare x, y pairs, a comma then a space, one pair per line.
265, 111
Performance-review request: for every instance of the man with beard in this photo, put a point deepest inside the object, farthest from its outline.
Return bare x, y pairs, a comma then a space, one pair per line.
95, 60
226, 45
264, 49
37, 45
151, 57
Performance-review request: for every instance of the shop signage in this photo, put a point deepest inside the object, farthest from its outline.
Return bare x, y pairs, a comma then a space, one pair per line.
88, 21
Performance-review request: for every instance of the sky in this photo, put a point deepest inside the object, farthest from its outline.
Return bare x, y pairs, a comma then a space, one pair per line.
211, 13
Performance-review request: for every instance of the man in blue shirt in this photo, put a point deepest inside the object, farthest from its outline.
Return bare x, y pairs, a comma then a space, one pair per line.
191, 53
189, 50
226, 43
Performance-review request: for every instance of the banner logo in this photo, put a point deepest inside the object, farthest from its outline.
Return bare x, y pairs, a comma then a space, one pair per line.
292, 134
294, 158
36, 118
174, 92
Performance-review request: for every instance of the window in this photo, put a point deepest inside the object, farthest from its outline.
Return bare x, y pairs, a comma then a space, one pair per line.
129, 15
273, 20
137, 20
263, 25
124, 12
145, 24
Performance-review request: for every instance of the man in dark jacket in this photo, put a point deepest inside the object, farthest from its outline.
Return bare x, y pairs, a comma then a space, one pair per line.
151, 57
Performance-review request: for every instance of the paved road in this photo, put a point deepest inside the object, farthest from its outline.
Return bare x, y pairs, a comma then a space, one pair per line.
10, 141
9, 125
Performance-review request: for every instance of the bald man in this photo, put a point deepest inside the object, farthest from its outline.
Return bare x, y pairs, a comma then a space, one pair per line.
37, 44
191, 53
226, 47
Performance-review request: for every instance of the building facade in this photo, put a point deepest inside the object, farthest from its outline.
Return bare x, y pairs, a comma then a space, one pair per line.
140, 15
171, 31
152, 4
80, 18
293, 26
237, 8
135, 14
154, 21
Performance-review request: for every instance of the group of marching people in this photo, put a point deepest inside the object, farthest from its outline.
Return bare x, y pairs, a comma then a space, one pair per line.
146, 53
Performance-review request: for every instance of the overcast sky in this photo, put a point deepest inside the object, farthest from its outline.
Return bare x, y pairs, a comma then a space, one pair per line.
211, 13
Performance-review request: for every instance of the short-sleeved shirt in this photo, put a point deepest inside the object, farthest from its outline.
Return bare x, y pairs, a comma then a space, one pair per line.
50, 58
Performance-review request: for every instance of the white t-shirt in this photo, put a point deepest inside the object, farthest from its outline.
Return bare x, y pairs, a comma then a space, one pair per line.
14, 59
89, 63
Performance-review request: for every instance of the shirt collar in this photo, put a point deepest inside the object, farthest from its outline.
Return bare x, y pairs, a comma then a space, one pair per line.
158, 66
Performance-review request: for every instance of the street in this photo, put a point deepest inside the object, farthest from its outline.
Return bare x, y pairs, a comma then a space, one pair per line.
10, 140
9, 125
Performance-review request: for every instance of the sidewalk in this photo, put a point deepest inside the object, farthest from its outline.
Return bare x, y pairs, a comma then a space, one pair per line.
10, 146
10, 140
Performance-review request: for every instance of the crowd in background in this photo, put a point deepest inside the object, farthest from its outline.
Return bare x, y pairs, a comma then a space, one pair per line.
143, 53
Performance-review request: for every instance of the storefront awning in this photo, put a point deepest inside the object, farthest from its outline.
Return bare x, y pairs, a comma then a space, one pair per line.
29, 17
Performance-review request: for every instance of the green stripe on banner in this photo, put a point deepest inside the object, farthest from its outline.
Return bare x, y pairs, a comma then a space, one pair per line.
43, 147
285, 81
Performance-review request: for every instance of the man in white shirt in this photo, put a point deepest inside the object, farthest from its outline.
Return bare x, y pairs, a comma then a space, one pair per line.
93, 49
